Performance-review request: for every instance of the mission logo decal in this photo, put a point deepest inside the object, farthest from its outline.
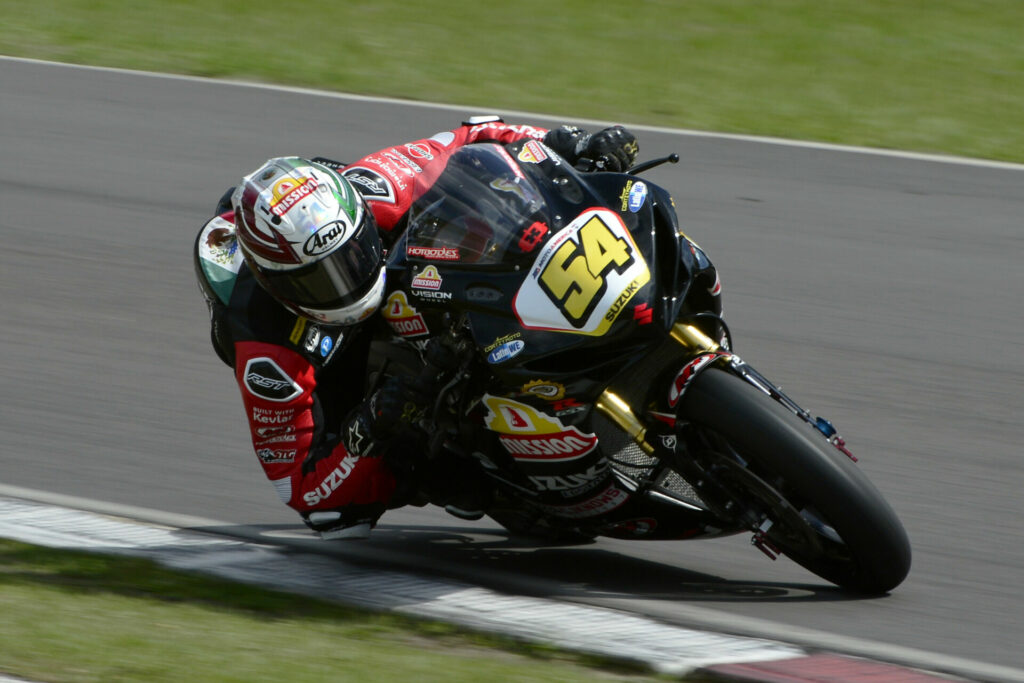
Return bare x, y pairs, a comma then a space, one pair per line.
288, 192
532, 153
583, 277
403, 318
528, 434
429, 278
265, 378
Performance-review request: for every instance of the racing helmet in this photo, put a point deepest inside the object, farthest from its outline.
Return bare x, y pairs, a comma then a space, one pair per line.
310, 240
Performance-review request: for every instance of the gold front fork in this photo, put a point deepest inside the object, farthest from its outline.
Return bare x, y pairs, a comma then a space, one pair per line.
618, 411
693, 339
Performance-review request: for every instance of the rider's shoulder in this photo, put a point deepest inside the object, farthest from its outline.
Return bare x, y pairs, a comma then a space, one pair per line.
218, 258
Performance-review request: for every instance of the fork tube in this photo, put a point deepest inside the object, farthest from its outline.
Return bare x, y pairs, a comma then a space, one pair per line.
619, 412
692, 338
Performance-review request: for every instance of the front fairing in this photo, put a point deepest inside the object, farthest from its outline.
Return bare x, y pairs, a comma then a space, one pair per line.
568, 285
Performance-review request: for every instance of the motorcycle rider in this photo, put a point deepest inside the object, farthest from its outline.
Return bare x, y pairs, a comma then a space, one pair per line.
292, 270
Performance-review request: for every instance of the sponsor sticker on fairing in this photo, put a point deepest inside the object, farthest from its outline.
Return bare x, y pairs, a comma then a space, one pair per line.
583, 276
637, 196
428, 279
606, 501
433, 253
532, 236
570, 485
532, 153
528, 434
403, 318
506, 351
551, 391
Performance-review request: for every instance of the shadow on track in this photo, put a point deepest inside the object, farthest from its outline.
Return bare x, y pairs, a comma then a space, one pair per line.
491, 558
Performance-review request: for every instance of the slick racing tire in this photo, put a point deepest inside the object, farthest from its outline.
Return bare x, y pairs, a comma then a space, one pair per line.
826, 515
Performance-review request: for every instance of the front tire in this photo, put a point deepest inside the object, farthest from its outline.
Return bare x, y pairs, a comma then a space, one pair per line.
827, 516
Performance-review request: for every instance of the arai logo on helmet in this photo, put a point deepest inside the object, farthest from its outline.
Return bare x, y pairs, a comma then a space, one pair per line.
325, 239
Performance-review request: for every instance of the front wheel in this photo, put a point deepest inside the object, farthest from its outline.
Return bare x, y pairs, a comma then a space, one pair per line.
815, 505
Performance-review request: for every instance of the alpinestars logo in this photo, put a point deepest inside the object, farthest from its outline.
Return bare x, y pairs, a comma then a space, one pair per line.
266, 379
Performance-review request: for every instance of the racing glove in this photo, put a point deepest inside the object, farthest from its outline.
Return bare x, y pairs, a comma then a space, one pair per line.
611, 149
396, 406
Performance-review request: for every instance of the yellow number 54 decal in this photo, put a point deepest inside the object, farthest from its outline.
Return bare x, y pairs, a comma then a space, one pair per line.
584, 276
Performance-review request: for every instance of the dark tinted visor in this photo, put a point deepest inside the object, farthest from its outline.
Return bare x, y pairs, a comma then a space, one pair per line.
339, 279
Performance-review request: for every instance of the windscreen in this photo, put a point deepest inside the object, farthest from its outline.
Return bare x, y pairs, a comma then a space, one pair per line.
482, 210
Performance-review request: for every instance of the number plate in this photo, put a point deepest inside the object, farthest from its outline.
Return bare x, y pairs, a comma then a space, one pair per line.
583, 277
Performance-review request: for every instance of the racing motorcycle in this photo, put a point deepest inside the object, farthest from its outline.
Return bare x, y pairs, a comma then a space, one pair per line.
595, 384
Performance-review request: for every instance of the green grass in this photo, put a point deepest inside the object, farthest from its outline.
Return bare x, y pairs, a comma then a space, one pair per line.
911, 74
77, 617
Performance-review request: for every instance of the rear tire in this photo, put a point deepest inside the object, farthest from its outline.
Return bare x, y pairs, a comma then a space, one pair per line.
861, 544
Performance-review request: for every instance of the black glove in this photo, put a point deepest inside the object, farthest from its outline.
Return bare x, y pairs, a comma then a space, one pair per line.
612, 149
399, 404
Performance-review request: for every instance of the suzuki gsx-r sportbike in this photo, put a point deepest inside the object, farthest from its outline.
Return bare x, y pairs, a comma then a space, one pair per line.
595, 384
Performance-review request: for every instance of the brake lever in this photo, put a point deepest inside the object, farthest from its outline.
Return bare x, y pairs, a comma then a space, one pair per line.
647, 165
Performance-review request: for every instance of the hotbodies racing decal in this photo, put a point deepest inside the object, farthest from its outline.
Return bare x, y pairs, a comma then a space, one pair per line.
583, 277
528, 434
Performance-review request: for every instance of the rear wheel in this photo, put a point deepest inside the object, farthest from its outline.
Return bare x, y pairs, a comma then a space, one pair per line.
810, 500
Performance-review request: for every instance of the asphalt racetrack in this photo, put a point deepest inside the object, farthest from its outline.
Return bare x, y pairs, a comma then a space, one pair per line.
882, 292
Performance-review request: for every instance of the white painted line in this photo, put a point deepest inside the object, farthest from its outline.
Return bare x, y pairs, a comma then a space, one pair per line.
462, 109
228, 557
596, 630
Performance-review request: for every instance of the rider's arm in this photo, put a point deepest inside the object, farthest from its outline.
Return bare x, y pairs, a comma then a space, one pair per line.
391, 179
310, 468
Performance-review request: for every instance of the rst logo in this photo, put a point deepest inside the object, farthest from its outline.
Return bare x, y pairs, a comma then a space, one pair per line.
265, 378
583, 277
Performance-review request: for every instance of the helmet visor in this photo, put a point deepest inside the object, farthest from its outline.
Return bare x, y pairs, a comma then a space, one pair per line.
339, 279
